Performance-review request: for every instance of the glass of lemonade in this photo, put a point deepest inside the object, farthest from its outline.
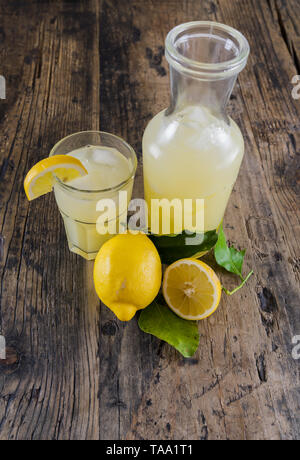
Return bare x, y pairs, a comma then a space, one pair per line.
111, 164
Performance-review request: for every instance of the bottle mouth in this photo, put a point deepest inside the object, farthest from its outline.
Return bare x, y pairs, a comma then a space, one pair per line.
206, 50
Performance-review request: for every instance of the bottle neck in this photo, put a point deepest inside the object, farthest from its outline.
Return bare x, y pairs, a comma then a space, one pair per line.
205, 58
190, 91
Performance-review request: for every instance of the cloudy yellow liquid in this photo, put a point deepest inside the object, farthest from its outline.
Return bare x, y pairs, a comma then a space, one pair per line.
107, 168
192, 154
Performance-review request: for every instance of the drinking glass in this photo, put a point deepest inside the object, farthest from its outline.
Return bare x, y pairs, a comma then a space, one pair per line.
79, 207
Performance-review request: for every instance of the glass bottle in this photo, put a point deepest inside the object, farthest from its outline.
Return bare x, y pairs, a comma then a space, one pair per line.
193, 149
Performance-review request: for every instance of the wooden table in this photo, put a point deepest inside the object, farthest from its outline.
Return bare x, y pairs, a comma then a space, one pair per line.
72, 370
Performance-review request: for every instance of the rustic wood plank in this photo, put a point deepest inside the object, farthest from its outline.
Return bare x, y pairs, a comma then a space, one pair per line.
285, 14
72, 373
128, 357
243, 383
49, 384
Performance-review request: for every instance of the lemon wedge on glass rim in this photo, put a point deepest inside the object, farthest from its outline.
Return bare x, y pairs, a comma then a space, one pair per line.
40, 179
191, 289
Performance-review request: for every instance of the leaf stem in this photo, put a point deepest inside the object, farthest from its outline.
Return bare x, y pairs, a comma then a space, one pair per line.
238, 287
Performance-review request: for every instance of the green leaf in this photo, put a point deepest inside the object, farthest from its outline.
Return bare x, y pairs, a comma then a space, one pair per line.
228, 257
174, 247
231, 259
159, 320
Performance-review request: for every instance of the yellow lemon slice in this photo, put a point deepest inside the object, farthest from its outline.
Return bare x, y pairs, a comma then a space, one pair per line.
191, 289
40, 178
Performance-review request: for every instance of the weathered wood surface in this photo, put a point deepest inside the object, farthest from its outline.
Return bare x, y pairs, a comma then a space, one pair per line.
72, 370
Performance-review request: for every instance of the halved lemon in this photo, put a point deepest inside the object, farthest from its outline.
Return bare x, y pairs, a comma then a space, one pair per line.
191, 289
40, 179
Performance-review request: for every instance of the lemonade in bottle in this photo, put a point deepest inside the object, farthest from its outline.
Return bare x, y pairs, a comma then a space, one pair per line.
193, 150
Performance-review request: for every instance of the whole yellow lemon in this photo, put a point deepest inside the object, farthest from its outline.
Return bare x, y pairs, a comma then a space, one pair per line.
127, 274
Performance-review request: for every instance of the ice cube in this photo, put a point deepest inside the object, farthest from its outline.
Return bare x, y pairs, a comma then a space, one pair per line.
105, 156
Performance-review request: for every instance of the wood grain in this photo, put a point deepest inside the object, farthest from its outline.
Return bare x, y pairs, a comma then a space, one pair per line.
49, 314
75, 372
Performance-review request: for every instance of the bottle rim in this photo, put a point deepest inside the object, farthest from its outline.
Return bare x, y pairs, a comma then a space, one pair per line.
205, 70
